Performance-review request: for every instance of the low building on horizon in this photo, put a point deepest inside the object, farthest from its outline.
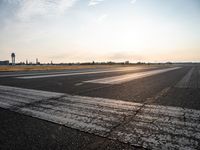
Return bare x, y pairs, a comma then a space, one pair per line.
5, 62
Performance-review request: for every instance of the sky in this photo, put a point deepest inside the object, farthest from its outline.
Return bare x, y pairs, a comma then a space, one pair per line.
100, 30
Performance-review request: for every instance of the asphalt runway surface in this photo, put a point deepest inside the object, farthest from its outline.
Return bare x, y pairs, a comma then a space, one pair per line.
141, 107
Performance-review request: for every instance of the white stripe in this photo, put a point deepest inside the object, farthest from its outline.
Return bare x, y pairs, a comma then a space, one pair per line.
80, 73
149, 126
24, 74
16, 74
5, 105
77, 123
184, 82
129, 77
93, 107
26, 94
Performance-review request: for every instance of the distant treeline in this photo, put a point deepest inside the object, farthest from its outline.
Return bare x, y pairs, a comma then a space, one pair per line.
96, 63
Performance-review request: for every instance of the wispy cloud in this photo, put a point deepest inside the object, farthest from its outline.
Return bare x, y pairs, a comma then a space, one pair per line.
94, 2
34, 8
125, 55
133, 1
102, 18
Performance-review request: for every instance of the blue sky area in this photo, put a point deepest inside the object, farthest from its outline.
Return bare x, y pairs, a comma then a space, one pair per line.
100, 30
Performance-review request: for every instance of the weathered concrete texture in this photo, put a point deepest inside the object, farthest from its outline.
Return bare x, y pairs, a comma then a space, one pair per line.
190, 80
142, 125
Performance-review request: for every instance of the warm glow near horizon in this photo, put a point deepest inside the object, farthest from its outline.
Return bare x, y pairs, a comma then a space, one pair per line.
100, 30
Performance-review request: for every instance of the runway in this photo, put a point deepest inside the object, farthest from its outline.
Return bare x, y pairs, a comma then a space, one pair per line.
152, 107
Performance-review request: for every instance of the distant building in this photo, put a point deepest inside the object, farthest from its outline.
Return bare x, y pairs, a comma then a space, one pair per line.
37, 62
126, 62
6, 62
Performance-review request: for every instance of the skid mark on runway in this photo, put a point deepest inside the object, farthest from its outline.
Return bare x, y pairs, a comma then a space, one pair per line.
160, 94
184, 82
129, 77
148, 126
198, 79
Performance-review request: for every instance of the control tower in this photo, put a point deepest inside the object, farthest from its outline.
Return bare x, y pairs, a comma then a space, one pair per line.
13, 58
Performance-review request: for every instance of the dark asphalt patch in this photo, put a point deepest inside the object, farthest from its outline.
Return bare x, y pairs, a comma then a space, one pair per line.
20, 132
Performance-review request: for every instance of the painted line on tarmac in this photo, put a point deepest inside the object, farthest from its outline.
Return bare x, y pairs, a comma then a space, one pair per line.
78, 73
21, 74
149, 126
32, 74
129, 77
184, 82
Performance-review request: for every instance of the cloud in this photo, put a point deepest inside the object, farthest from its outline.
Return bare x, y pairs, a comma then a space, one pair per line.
133, 1
124, 55
94, 2
102, 18
33, 8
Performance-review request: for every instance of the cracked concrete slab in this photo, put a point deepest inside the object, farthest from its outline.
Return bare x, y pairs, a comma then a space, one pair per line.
162, 127
143, 125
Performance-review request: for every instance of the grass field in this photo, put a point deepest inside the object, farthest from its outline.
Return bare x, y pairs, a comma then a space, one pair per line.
70, 67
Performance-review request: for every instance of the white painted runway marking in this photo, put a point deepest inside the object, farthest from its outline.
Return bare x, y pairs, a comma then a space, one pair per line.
129, 77
184, 82
149, 126
78, 84
80, 73
27, 74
